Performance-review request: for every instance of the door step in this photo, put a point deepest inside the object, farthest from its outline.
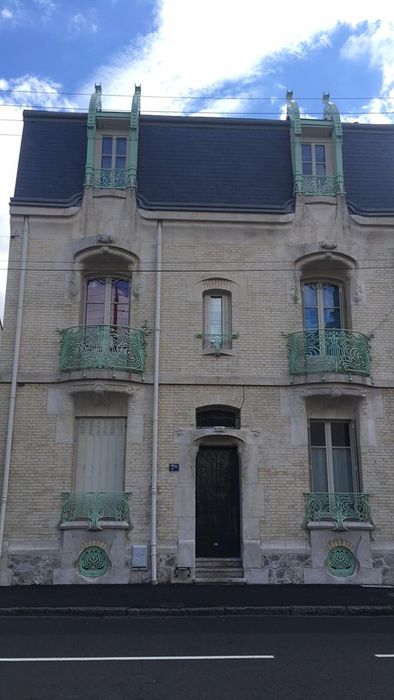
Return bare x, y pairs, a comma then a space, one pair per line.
210, 570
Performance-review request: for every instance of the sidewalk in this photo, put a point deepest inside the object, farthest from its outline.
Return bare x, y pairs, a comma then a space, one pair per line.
145, 599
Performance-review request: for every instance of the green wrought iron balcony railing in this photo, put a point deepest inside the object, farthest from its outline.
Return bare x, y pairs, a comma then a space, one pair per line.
329, 350
320, 185
110, 178
103, 347
95, 507
337, 507
217, 341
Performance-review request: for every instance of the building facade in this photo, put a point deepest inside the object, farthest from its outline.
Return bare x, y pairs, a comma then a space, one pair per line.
197, 359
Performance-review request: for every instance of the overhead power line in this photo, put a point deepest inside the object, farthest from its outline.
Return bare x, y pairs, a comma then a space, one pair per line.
185, 97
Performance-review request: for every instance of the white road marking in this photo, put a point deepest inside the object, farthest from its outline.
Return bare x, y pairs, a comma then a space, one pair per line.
384, 656
136, 658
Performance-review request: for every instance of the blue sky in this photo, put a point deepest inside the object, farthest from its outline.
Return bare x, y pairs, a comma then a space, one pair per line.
53, 51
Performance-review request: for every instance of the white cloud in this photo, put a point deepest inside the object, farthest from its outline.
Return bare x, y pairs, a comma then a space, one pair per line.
83, 22
38, 91
5, 13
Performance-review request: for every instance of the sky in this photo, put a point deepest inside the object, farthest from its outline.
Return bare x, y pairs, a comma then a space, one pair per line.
216, 57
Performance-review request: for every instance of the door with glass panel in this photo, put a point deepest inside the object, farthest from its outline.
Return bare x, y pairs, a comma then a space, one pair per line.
106, 317
323, 319
333, 456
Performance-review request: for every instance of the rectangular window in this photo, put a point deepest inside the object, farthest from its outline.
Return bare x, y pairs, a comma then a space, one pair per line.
100, 454
107, 301
313, 159
333, 456
113, 162
217, 332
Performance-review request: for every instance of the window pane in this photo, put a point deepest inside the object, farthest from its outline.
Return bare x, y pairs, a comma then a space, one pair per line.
320, 154
119, 290
330, 294
310, 294
94, 314
306, 150
320, 169
319, 469
215, 316
121, 146
332, 318
307, 168
95, 290
340, 435
120, 163
106, 162
120, 314
317, 434
106, 146
343, 472
311, 319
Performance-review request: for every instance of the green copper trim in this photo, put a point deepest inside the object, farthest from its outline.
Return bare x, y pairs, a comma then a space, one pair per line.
93, 562
341, 561
329, 185
94, 107
329, 350
337, 507
133, 145
331, 113
95, 506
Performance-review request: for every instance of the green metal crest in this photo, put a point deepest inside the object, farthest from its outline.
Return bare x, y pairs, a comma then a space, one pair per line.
341, 561
93, 562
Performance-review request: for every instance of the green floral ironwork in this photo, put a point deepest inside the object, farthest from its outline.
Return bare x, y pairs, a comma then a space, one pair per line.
93, 562
329, 350
325, 185
337, 507
341, 561
217, 341
103, 347
95, 506
110, 178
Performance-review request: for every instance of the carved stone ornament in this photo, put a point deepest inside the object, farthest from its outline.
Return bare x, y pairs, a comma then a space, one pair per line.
105, 238
327, 245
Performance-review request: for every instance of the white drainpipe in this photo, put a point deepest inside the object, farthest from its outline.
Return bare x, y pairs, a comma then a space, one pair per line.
155, 417
15, 364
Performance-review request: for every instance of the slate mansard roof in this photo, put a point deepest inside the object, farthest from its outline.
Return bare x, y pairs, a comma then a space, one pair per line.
200, 163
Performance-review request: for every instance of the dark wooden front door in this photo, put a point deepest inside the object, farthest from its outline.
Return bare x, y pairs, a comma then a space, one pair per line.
217, 502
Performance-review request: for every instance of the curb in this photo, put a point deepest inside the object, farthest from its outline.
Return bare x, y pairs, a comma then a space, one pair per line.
273, 610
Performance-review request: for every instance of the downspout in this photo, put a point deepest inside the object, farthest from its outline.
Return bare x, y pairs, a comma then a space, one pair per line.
15, 364
155, 416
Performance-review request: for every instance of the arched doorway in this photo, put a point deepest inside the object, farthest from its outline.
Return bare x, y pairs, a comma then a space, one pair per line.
217, 502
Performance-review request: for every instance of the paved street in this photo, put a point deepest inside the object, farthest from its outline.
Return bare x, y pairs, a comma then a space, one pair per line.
319, 657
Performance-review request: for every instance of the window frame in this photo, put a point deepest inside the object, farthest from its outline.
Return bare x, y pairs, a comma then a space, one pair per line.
109, 278
329, 164
225, 320
114, 138
320, 280
232, 411
328, 447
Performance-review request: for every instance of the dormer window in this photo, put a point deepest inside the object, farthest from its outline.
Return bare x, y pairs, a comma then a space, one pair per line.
113, 161
313, 159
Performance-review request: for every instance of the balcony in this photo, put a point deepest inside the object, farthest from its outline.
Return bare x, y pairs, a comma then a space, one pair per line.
329, 350
103, 347
337, 507
110, 178
94, 507
217, 342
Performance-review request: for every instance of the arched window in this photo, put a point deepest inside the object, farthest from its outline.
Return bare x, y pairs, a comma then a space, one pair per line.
211, 416
323, 302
